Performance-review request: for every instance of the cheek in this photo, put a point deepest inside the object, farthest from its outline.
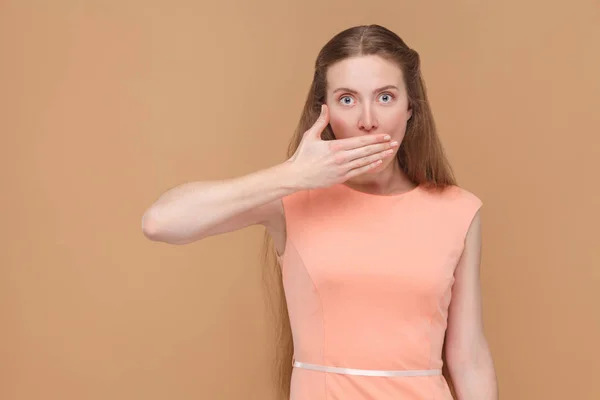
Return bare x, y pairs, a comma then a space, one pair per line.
340, 126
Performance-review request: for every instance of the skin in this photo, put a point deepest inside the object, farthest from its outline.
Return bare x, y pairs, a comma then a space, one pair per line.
367, 95
467, 351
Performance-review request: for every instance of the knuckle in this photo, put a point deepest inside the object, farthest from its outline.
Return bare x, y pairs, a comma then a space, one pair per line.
339, 158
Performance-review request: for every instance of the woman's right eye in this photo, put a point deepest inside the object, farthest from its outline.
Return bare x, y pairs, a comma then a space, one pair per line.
346, 100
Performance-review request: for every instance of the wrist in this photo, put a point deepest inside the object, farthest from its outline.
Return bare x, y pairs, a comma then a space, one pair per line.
289, 177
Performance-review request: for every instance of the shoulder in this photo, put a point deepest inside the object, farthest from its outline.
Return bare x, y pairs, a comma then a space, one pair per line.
465, 197
296, 205
455, 207
295, 199
455, 196
309, 198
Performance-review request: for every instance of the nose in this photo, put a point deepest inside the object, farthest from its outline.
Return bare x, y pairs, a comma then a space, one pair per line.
367, 121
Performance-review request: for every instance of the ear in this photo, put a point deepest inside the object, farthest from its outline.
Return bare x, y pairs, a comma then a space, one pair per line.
409, 113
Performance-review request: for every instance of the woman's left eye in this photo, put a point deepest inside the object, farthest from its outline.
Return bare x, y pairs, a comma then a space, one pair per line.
386, 97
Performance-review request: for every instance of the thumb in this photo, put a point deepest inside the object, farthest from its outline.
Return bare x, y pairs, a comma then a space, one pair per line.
321, 122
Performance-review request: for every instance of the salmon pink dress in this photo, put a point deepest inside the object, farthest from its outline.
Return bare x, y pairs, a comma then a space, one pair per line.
368, 281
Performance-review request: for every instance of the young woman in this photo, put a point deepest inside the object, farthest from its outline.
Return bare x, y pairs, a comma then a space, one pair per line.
379, 247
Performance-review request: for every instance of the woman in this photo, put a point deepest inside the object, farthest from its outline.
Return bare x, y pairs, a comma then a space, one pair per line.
379, 248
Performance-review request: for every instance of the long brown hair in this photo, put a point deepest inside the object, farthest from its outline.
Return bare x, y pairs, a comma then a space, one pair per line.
420, 156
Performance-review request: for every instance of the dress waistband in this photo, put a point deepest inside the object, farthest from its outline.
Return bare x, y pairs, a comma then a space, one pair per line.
367, 372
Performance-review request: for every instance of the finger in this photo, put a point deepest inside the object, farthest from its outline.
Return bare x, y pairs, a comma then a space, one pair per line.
359, 162
321, 122
360, 141
379, 149
361, 170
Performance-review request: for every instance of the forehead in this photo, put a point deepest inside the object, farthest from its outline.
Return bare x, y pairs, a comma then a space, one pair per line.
364, 72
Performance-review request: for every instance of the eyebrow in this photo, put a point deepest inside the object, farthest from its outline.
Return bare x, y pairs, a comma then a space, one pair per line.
374, 91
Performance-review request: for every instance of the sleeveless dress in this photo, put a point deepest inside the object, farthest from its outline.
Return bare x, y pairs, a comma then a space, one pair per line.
368, 281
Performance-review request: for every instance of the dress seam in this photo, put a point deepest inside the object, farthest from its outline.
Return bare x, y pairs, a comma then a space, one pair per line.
322, 315
430, 346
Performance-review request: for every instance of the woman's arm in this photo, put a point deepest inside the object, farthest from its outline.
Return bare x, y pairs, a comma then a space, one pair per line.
467, 352
195, 210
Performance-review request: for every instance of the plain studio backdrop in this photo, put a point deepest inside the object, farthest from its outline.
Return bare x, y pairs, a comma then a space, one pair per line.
106, 104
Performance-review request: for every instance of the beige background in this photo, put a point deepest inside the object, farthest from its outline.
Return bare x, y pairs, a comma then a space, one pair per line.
106, 104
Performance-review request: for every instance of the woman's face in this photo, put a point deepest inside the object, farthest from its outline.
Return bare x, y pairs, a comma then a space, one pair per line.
367, 95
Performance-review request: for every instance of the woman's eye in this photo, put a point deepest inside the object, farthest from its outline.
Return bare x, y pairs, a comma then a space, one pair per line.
347, 100
386, 97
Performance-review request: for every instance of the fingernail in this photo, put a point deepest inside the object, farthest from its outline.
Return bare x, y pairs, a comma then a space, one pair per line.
387, 137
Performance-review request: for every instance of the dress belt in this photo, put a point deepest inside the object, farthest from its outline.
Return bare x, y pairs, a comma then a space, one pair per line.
367, 372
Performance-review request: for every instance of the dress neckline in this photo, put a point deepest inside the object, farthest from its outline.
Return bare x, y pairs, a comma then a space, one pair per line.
359, 193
